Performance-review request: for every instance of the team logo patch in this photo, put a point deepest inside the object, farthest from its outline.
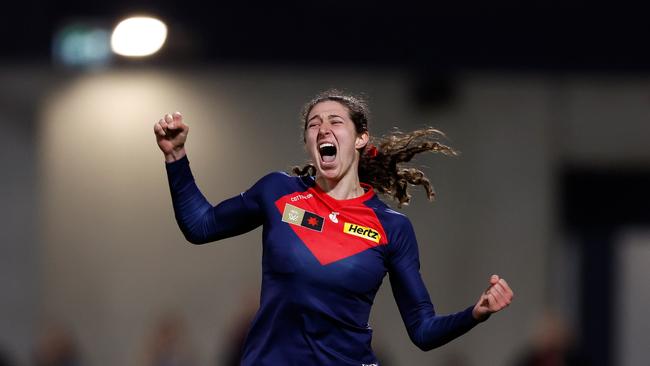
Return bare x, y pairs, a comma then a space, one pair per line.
362, 232
297, 216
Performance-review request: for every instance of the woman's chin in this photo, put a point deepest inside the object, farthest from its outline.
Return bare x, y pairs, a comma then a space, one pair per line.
328, 171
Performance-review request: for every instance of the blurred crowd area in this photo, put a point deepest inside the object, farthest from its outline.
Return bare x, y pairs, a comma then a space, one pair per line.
168, 344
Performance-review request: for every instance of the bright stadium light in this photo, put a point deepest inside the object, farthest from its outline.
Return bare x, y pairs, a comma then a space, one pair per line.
138, 36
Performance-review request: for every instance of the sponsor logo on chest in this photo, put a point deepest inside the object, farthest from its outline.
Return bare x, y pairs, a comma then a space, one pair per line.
362, 232
299, 197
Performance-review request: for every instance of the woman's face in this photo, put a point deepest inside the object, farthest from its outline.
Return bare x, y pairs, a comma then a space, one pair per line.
332, 141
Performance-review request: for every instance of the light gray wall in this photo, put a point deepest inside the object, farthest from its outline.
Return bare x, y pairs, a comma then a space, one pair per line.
111, 259
632, 257
22, 92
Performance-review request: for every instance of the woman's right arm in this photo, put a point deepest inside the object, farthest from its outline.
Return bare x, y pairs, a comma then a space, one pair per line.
199, 221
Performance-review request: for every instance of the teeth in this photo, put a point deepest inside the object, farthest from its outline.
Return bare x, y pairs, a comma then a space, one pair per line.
325, 144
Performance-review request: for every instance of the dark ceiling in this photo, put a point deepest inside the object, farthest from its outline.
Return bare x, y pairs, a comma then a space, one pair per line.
548, 35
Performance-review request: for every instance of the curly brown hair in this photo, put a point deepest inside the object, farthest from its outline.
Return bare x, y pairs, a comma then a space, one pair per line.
379, 161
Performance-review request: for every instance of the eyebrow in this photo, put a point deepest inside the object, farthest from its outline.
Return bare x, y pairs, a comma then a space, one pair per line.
329, 116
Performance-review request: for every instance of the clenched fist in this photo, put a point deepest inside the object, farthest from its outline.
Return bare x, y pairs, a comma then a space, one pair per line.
497, 296
171, 134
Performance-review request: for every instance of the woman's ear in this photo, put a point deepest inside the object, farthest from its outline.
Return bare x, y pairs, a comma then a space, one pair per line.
361, 140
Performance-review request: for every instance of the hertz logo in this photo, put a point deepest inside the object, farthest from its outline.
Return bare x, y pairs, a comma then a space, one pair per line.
361, 231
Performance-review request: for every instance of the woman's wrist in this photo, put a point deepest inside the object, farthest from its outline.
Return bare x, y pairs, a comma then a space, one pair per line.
478, 316
175, 155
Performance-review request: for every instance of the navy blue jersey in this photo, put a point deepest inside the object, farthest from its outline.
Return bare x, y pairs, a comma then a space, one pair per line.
323, 262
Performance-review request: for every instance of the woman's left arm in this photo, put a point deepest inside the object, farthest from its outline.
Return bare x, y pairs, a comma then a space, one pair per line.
426, 329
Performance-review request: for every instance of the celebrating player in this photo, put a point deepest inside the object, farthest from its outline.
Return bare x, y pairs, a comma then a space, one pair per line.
328, 239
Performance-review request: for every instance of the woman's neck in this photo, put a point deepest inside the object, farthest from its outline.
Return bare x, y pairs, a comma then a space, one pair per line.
345, 188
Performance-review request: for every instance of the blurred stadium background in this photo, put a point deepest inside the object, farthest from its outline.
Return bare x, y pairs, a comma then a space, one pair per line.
548, 102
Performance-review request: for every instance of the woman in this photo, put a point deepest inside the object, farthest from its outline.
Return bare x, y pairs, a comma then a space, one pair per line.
328, 240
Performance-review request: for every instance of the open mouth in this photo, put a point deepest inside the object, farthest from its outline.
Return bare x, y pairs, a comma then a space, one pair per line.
327, 152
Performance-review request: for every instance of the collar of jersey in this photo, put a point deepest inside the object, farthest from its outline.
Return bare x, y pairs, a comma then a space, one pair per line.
333, 202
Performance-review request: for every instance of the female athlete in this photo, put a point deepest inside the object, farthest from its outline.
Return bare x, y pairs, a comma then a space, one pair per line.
328, 241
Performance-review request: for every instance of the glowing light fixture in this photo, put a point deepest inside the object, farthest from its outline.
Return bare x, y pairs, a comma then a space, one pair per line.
138, 36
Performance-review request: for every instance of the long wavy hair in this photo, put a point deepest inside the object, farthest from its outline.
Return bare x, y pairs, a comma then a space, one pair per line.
380, 159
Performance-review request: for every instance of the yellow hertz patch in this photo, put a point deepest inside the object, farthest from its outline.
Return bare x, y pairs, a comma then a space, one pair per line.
361, 231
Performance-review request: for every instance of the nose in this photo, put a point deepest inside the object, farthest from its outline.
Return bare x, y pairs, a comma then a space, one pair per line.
324, 128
